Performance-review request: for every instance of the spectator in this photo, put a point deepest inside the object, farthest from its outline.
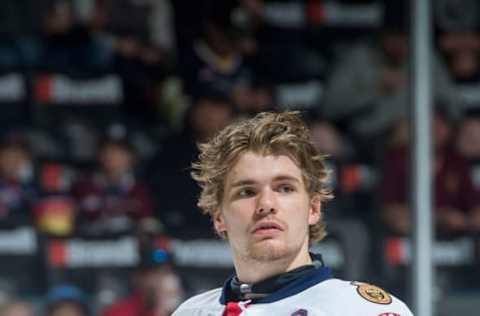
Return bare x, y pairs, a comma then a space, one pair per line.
367, 91
346, 214
456, 202
461, 50
18, 189
457, 28
157, 289
66, 300
278, 41
64, 44
215, 61
257, 97
462, 53
329, 141
112, 198
175, 191
17, 308
468, 143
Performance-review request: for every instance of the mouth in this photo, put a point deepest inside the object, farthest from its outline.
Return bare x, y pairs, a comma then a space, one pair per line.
267, 228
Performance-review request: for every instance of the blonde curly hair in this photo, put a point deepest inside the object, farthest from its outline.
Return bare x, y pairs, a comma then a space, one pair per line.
266, 133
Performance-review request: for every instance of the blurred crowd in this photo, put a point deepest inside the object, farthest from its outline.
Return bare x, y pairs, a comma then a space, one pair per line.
104, 102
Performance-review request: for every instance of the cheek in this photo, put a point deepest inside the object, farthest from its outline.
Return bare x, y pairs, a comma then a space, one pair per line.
239, 214
302, 215
233, 222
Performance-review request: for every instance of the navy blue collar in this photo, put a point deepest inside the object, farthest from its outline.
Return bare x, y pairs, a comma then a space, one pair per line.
307, 277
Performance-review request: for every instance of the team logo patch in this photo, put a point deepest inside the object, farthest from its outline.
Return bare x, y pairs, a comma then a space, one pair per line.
300, 312
373, 294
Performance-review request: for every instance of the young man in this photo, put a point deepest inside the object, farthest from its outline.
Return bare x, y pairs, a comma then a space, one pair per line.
263, 185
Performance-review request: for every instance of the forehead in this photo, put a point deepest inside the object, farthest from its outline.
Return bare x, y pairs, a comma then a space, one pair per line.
258, 167
116, 148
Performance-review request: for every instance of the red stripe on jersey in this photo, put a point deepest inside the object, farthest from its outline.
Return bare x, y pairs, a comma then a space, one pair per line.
232, 309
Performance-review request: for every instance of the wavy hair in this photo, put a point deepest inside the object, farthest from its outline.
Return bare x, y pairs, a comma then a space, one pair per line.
266, 133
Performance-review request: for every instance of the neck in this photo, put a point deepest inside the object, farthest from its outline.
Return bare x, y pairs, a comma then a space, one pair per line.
250, 270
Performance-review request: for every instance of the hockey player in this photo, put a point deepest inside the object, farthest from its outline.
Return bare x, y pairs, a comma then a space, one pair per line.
263, 184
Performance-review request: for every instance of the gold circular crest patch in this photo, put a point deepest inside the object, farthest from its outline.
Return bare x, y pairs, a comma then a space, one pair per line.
373, 293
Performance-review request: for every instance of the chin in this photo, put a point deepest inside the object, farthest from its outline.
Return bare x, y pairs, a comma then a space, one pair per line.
269, 250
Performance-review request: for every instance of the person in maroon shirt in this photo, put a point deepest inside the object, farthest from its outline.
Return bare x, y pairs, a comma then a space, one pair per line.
113, 198
455, 199
157, 290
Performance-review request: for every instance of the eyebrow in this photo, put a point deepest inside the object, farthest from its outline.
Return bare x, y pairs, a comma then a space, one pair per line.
241, 183
246, 182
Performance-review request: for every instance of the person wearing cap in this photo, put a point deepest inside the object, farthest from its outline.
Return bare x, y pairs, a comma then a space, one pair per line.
67, 300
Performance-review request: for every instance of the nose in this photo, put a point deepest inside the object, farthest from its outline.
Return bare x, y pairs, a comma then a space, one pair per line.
266, 202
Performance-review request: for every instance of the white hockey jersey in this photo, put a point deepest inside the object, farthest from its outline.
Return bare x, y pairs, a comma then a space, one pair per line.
311, 296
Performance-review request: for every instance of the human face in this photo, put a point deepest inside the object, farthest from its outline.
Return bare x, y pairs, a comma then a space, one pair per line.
67, 309
116, 160
12, 161
162, 288
18, 309
266, 211
210, 116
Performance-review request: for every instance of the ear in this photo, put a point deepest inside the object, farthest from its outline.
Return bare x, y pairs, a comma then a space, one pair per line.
315, 212
219, 222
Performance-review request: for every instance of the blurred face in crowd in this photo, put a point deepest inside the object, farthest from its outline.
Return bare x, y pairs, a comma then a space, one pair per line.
252, 100
441, 131
463, 53
13, 161
17, 309
219, 40
116, 160
210, 116
469, 138
395, 47
326, 139
59, 19
266, 210
162, 289
67, 309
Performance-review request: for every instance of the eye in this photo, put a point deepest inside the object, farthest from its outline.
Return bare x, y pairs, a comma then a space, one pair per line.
286, 188
245, 192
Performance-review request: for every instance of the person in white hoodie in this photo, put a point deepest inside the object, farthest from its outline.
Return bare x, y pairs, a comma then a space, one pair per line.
263, 184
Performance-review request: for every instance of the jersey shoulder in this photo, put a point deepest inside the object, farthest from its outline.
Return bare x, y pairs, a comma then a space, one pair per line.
363, 296
208, 298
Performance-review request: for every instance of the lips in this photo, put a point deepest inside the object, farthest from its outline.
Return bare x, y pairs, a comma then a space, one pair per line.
266, 226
